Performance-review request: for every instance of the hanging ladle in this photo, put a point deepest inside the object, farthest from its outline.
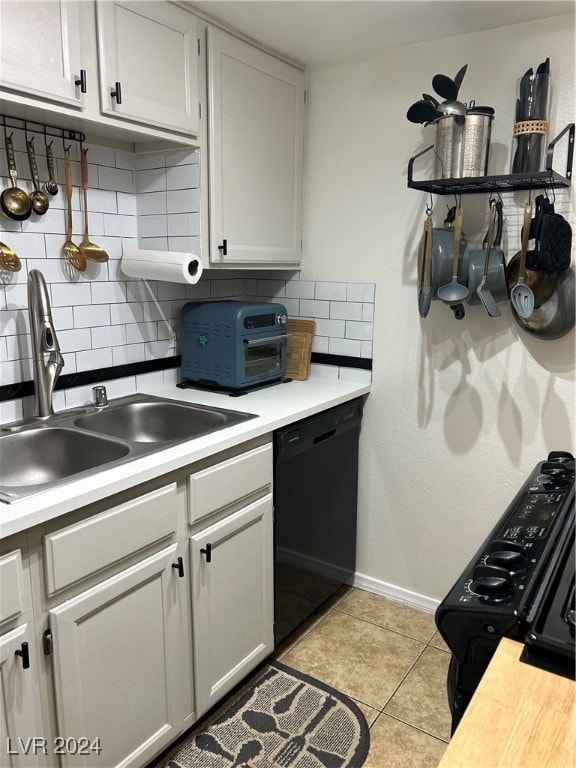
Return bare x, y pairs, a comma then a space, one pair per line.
521, 295
88, 249
483, 293
70, 250
454, 292
15, 202
38, 198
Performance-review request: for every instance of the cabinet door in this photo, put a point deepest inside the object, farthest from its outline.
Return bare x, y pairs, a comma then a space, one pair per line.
20, 721
116, 663
232, 602
256, 143
151, 50
40, 49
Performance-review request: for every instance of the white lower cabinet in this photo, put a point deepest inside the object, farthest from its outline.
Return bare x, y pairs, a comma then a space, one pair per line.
21, 730
139, 615
116, 664
232, 599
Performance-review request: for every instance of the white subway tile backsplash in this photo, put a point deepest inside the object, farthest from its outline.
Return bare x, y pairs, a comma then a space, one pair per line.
71, 294
347, 347
336, 328
129, 353
91, 315
102, 317
76, 339
300, 289
146, 380
182, 201
345, 310
126, 313
357, 330
152, 203
115, 179
331, 291
314, 309
183, 224
360, 292
153, 226
116, 225
121, 387
94, 358
108, 292
182, 177
138, 332
108, 336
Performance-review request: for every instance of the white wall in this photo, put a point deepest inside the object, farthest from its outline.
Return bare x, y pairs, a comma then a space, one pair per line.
460, 411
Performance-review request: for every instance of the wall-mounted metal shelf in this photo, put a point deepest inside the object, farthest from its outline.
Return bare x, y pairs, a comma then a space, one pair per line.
503, 183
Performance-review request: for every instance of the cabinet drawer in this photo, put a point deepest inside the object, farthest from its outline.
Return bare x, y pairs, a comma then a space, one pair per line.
12, 600
81, 549
218, 486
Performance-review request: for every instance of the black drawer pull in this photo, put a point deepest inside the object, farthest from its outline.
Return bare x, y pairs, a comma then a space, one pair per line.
223, 248
207, 552
23, 652
117, 93
179, 565
81, 81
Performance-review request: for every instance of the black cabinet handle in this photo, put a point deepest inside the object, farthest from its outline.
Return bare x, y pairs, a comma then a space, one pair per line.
23, 652
179, 565
223, 248
207, 552
81, 81
117, 93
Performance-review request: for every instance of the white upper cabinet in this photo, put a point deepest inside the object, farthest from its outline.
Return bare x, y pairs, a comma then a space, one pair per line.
40, 49
147, 53
256, 146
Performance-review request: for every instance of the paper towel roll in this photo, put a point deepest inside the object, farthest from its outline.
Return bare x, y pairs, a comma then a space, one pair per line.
170, 266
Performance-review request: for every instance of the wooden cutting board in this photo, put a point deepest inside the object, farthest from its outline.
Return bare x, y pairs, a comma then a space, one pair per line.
299, 348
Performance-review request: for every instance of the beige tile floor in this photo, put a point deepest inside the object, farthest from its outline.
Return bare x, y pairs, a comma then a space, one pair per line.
391, 661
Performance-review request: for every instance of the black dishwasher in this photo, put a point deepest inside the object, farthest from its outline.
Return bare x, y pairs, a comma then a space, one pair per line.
315, 502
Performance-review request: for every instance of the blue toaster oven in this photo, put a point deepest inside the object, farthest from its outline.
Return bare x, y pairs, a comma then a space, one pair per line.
233, 345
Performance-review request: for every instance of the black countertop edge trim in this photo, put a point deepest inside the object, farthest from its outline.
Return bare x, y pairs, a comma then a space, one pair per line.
347, 362
82, 378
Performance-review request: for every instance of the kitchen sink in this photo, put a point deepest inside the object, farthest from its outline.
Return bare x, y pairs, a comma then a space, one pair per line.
39, 453
156, 422
41, 457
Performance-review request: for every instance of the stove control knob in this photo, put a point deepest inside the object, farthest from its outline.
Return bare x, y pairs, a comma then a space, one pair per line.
491, 581
552, 469
508, 554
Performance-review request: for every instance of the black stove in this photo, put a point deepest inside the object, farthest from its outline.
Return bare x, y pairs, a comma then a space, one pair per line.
520, 584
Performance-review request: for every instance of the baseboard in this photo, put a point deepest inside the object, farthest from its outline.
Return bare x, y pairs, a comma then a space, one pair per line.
399, 594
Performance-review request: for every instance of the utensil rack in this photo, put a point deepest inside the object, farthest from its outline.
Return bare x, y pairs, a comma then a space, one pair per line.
29, 126
501, 183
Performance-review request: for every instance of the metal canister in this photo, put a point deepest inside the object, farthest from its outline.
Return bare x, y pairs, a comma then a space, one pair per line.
476, 141
448, 146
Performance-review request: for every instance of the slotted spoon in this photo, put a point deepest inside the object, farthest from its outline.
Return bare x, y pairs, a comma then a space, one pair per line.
70, 250
88, 249
8, 259
521, 296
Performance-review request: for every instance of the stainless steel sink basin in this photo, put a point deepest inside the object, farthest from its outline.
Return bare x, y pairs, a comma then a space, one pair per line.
156, 422
37, 454
40, 457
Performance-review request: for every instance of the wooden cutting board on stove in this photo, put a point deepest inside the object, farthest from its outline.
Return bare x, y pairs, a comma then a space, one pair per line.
299, 348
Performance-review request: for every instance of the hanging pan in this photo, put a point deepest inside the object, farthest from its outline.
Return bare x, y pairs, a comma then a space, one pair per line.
555, 317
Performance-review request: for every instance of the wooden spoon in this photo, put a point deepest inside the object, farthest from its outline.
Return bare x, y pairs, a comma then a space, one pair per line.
8, 259
87, 249
70, 250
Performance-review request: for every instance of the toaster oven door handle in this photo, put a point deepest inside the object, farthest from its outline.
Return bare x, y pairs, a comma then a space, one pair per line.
253, 342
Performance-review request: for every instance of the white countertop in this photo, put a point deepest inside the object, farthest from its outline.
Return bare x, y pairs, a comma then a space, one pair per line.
274, 406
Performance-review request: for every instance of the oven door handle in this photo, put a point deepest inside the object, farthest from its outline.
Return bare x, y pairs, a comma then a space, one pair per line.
253, 342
